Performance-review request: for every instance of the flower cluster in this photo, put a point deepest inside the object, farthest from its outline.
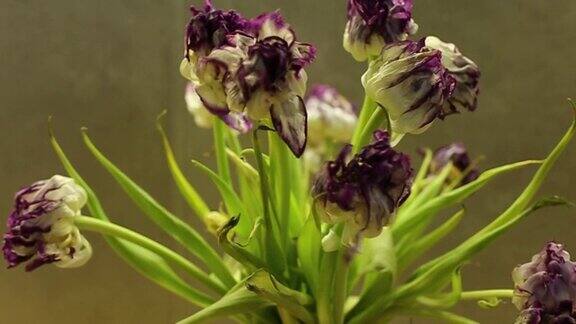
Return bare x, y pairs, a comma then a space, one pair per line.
249, 71
464, 170
372, 24
41, 226
418, 82
364, 190
545, 288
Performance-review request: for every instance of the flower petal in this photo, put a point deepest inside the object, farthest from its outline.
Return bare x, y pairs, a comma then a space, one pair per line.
290, 121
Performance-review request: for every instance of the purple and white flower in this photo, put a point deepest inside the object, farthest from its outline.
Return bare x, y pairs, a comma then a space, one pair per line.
464, 71
545, 287
364, 190
331, 117
417, 83
257, 76
457, 155
41, 227
372, 24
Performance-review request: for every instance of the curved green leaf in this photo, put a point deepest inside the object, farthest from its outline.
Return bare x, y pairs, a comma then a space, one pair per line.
149, 264
173, 225
186, 189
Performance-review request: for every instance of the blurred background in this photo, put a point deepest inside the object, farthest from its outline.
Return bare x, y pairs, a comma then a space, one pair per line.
112, 66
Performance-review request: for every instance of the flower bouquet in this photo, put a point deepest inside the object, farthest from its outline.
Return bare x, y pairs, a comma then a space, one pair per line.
322, 218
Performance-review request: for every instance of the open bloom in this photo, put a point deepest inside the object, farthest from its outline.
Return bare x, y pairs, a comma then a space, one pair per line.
331, 117
463, 167
372, 24
362, 191
545, 288
41, 226
255, 75
417, 83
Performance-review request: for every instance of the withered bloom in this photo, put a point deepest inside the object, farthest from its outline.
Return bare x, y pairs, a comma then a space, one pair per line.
363, 190
41, 226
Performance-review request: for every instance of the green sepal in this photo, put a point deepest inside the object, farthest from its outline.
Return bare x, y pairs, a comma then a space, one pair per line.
173, 225
147, 263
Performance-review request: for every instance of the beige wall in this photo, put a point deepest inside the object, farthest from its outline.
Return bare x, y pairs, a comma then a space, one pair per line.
112, 66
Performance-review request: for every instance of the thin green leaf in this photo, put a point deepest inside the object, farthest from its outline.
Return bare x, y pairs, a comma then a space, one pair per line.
445, 301
149, 264
423, 213
226, 191
309, 245
430, 191
186, 189
173, 225
378, 261
423, 245
219, 130
432, 275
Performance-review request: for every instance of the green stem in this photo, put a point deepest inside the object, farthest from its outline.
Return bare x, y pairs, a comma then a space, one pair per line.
378, 117
270, 247
340, 285
111, 229
366, 111
325, 285
219, 130
280, 165
485, 294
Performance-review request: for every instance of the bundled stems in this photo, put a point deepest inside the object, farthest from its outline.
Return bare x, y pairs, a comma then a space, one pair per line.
269, 247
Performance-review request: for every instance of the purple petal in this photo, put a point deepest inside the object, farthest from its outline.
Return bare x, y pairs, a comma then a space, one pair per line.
290, 121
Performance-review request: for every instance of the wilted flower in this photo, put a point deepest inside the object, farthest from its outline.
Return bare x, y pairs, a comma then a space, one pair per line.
364, 190
41, 226
202, 117
372, 24
209, 29
464, 71
257, 75
545, 288
331, 117
456, 154
416, 83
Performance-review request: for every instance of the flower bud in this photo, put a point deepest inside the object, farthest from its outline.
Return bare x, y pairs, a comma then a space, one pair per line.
417, 82
410, 82
464, 71
202, 117
41, 226
372, 24
215, 220
363, 191
545, 288
331, 117
454, 153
